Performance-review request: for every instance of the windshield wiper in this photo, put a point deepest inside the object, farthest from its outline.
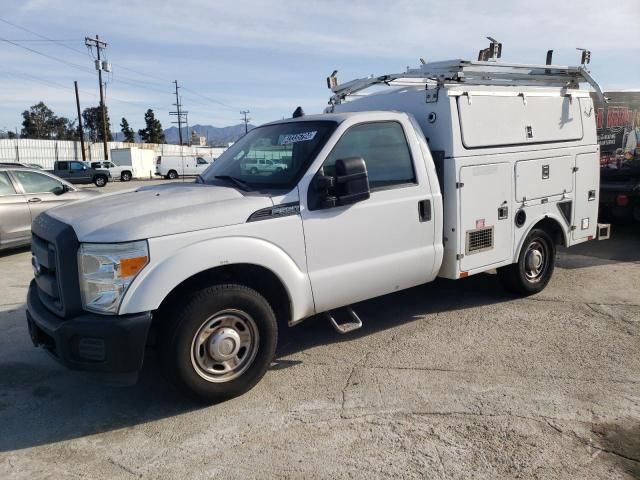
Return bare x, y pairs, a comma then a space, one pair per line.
236, 181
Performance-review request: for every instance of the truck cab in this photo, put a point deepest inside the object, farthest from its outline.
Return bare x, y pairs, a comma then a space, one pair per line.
381, 193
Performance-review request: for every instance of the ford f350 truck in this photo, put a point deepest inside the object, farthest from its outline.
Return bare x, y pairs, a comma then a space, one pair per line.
449, 170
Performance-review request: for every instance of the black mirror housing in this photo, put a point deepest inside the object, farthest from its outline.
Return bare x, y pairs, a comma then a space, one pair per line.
352, 181
349, 185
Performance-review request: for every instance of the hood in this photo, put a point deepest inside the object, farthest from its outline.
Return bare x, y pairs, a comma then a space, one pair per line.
157, 210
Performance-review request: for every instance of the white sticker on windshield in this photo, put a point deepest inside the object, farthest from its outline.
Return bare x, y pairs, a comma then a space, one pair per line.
297, 137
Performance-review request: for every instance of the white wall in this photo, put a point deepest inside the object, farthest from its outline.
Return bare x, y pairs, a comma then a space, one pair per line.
45, 152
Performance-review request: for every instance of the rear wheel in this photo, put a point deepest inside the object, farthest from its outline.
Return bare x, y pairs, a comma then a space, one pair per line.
172, 175
100, 181
535, 265
125, 177
219, 343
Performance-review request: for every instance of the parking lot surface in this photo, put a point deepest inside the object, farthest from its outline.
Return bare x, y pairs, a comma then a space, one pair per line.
447, 380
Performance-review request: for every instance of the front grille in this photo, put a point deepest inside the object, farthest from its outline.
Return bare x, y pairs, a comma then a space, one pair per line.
479, 240
54, 246
44, 263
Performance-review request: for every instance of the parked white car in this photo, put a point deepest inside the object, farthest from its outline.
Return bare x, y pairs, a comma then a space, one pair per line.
124, 173
172, 167
386, 191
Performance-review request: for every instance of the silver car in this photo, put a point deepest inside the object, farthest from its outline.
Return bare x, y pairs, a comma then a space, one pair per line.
24, 193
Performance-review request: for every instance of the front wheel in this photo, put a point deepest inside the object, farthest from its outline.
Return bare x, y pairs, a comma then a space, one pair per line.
219, 343
100, 181
125, 177
172, 175
535, 265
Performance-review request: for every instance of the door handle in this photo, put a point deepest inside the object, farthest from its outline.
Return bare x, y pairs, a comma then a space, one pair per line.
424, 210
35, 200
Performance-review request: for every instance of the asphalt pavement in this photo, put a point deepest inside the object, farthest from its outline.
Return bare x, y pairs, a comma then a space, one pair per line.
454, 379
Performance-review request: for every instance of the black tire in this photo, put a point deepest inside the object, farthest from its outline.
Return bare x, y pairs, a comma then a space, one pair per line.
186, 324
125, 176
100, 181
254, 171
172, 175
535, 265
278, 169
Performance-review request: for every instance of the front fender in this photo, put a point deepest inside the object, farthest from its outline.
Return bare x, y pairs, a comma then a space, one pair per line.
171, 265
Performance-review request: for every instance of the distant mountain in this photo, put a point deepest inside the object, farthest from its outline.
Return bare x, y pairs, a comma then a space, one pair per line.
214, 135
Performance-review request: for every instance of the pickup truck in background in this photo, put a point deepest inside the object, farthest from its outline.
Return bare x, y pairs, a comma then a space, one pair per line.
124, 173
422, 179
80, 173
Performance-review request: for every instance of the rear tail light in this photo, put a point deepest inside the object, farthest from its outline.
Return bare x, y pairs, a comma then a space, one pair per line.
622, 200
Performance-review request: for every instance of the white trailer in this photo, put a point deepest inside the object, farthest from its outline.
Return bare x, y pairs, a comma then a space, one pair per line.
141, 160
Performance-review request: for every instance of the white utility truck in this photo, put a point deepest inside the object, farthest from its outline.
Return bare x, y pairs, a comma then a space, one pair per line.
448, 170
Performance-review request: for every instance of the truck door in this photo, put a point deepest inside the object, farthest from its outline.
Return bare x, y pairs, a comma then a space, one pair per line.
79, 173
587, 181
486, 219
381, 244
39, 191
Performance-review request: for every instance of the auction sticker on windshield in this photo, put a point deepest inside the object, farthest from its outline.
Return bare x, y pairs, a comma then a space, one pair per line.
297, 137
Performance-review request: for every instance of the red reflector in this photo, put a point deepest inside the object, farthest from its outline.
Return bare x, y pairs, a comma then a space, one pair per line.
590, 237
622, 200
464, 274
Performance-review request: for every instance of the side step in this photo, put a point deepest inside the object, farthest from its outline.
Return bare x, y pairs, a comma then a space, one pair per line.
352, 322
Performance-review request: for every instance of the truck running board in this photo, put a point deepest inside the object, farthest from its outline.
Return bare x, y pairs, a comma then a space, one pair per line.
352, 322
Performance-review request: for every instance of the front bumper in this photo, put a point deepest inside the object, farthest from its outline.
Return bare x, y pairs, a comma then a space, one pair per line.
107, 344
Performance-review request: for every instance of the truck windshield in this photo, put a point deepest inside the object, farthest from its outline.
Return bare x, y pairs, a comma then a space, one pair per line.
271, 156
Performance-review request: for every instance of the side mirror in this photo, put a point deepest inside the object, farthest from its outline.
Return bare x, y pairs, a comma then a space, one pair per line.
60, 189
349, 185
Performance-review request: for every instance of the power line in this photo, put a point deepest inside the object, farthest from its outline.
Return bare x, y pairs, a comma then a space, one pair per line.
38, 35
74, 65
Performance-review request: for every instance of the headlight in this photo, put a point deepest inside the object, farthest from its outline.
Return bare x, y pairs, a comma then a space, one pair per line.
107, 270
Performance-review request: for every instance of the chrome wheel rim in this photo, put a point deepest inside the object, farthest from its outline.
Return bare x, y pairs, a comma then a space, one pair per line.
100, 181
225, 346
536, 261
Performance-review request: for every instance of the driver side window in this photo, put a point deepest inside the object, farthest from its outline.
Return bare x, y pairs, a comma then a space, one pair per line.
77, 166
385, 151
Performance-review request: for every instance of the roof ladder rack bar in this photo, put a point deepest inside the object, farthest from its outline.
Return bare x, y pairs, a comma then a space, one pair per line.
476, 73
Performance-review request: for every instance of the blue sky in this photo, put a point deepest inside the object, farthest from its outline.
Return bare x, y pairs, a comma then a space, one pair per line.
270, 56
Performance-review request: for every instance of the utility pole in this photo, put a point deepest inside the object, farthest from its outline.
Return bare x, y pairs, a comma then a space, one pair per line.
245, 120
99, 46
84, 159
181, 114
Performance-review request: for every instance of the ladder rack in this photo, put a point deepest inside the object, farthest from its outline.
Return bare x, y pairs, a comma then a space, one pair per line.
473, 73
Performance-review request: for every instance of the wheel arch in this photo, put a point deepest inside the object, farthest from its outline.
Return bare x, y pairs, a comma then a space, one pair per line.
549, 223
259, 278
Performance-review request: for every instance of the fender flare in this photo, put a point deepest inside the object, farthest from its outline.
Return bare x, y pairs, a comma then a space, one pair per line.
547, 215
161, 276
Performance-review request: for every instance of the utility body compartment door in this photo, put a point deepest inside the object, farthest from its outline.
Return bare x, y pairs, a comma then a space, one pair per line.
486, 217
543, 177
585, 210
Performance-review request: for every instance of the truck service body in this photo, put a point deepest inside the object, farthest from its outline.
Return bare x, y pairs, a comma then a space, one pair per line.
385, 191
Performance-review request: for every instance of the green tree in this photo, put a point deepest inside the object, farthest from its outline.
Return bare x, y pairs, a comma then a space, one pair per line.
38, 121
127, 131
92, 118
64, 129
153, 132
